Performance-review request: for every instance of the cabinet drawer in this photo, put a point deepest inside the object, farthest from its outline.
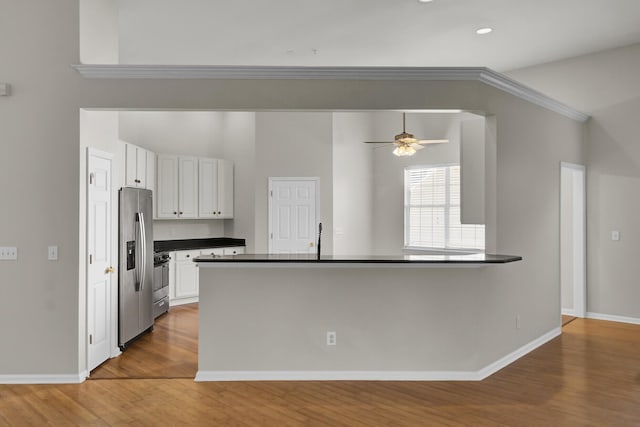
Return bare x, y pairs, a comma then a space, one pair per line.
234, 251
187, 255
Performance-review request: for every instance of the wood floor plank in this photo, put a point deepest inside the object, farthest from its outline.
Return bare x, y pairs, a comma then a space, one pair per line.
589, 376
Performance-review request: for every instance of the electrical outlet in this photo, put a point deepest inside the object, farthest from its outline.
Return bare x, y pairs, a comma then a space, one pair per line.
518, 321
8, 253
331, 338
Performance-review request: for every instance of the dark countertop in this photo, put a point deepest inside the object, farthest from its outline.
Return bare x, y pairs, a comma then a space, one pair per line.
188, 244
360, 259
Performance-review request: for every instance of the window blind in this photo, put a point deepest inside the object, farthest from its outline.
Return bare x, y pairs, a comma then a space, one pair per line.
432, 210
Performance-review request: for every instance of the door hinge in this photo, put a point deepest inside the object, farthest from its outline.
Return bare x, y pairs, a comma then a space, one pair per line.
272, 235
90, 338
271, 193
90, 259
91, 176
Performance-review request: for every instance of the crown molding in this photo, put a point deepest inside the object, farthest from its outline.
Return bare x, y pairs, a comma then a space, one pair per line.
481, 74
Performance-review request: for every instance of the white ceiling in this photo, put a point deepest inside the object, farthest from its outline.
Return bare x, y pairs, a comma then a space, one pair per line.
371, 32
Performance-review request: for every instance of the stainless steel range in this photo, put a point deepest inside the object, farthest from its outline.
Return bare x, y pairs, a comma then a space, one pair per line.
160, 295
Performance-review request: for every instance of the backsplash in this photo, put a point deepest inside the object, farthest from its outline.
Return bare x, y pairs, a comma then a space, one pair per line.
187, 229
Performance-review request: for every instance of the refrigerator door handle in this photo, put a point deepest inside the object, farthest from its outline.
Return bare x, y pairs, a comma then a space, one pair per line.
143, 240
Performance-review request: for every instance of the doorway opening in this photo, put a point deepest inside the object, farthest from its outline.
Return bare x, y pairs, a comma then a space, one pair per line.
572, 240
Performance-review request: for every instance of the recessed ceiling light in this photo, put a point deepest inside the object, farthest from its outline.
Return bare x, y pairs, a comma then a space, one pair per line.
425, 1
485, 30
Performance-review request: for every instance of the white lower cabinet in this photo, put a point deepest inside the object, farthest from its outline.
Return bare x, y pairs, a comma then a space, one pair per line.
184, 274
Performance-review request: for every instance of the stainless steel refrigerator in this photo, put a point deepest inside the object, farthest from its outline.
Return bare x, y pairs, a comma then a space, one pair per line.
135, 265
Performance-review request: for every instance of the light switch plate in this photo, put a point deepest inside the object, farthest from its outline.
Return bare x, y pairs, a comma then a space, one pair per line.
9, 253
615, 235
5, 89
53, 253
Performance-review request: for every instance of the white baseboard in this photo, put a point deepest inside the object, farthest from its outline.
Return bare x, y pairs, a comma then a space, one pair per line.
379, 375
44, 379
568, 312
182, 301
613, 318
518, 353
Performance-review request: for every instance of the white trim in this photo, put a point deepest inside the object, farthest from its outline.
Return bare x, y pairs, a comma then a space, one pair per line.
613, 318
578, 233
182, 301
44, 379
518, 353
568, 312
481, 74
379, 375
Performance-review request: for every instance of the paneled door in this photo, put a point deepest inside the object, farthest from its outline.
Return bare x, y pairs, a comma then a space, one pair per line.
293, 215
99, 263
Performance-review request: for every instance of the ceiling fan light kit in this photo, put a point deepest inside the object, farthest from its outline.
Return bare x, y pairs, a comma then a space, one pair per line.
407, 145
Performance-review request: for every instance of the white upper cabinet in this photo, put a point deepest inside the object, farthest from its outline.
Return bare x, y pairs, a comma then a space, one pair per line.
188, 187
225, 189
208, 190
192, 187
167, 183
177, 192
138, 170
215, 199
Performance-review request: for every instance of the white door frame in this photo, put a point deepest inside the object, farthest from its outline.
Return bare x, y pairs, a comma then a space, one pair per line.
273, 179
113, 294
578, 224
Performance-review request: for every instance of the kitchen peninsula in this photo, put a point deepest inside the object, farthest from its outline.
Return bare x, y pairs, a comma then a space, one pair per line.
294, 317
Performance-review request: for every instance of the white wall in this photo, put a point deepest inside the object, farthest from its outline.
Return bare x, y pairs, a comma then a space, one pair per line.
607, 86
239, 146
293, 144
99, 42
352, 183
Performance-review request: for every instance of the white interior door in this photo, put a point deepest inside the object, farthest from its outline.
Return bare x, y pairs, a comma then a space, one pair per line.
99, 263
572, 239
293, 215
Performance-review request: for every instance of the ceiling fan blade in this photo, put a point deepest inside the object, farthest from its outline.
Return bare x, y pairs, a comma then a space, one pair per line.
377, 142
416, 146
432, 141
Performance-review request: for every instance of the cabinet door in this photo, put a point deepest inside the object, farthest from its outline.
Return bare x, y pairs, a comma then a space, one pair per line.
131, 165
186, 275
188, 187
225, 189
208, 188
141, 167
167, 191
150, 175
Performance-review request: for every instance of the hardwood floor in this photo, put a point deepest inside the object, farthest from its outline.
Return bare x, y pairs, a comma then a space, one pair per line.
170, 351
567, 319
589, 376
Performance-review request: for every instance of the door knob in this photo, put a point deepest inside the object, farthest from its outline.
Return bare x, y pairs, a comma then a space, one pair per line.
111, 270
311, 244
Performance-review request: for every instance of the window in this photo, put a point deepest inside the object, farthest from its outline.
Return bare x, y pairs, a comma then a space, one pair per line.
432, 210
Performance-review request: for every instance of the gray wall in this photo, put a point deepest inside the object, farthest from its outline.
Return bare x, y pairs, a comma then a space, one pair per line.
352, 183
42, 300
293, 145
388, 176
607, 86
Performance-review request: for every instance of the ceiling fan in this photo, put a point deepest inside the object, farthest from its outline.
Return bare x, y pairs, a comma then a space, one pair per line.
406, 144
